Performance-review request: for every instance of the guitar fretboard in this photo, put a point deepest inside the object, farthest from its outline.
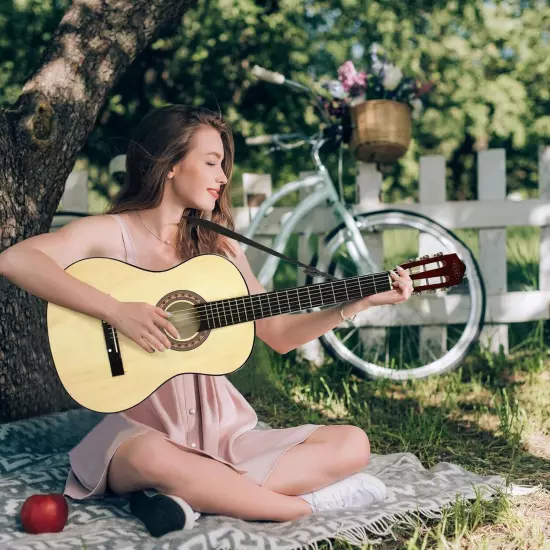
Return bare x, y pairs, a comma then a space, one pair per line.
231, 311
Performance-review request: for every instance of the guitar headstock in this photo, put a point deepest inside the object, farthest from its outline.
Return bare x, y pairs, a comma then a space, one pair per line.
448, 267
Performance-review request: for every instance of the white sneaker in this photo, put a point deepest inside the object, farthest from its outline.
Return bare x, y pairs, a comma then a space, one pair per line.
359, 489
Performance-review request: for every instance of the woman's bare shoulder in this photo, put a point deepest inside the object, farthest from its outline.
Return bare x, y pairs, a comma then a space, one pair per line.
87, 237
102, 232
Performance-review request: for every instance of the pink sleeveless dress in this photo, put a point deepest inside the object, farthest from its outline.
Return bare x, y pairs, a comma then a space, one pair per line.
198, 413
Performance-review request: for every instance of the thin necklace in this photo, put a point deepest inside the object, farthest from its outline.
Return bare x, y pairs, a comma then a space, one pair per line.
156, 237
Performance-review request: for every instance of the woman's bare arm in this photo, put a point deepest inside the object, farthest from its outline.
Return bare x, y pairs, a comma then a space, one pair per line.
286, 332
38, 265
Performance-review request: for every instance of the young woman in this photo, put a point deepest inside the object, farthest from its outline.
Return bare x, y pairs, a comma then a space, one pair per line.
193, 438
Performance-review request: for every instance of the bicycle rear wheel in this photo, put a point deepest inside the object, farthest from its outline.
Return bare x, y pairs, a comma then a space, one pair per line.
427, 335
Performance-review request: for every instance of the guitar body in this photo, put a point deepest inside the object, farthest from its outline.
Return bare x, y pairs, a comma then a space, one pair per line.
212, 310
113, 375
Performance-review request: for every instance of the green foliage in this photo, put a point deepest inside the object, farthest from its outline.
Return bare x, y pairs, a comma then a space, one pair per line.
490, 63
26, 28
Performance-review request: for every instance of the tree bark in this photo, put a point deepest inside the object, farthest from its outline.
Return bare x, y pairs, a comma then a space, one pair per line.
40, 137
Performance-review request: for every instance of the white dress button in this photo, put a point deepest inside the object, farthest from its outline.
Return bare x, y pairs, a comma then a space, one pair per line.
191, 411
193, 445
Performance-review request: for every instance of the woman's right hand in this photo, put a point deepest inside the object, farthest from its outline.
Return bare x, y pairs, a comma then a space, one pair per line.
142, 323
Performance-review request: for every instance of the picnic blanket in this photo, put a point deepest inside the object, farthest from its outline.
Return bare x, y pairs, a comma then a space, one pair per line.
33, 460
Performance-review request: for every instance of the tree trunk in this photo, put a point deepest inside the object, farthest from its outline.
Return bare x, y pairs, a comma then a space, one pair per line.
40, 137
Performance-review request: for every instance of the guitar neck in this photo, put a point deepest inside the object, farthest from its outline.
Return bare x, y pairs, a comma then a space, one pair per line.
231, 311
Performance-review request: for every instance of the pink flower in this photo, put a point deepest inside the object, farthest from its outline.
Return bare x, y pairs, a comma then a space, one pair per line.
350, 78
361, 79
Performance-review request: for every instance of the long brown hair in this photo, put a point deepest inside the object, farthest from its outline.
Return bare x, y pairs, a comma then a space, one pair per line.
161, 140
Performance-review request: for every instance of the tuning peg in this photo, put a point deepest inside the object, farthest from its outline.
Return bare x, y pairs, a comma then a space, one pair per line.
439, 254
425, 257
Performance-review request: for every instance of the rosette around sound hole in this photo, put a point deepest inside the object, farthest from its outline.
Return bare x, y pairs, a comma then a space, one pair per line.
187, 317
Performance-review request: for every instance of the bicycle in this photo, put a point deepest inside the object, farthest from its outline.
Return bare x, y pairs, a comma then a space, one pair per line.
345, 254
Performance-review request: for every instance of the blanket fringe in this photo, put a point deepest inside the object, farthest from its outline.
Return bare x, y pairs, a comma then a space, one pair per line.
360, 535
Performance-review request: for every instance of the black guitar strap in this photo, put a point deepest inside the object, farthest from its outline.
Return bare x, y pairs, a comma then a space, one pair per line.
224, 231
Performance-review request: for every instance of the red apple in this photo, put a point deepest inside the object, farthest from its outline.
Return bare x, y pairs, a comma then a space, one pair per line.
44, 513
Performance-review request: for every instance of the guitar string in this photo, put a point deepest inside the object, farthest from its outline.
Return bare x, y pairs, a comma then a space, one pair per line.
217, 314
202, 307
213, 314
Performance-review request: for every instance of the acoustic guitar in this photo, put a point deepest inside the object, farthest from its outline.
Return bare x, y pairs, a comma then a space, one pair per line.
212, 310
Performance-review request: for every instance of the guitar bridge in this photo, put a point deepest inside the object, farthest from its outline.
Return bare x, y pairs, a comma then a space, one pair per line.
113, 349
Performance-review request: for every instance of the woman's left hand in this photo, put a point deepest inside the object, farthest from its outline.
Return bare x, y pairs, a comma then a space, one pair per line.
403, 288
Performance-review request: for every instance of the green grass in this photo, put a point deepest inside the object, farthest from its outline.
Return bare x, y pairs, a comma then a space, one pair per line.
491, 416
493, 419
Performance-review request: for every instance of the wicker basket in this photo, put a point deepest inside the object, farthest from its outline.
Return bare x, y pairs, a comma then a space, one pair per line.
381, 130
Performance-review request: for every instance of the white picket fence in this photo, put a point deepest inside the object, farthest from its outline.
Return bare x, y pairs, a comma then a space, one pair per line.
492, 213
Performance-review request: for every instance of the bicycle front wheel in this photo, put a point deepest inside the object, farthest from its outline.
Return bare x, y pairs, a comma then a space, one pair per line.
427, 335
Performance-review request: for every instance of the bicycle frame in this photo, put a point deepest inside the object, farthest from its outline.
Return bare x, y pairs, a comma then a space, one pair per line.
325, 190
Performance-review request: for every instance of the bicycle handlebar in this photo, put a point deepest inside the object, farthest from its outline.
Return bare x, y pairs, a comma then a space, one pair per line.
268, 76
259, 140
275, 138
277, 78
333, 133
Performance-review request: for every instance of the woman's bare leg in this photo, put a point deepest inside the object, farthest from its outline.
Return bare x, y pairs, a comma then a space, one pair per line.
329, 454
150, 461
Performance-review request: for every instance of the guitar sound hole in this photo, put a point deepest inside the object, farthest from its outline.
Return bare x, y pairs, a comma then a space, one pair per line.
185, 318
